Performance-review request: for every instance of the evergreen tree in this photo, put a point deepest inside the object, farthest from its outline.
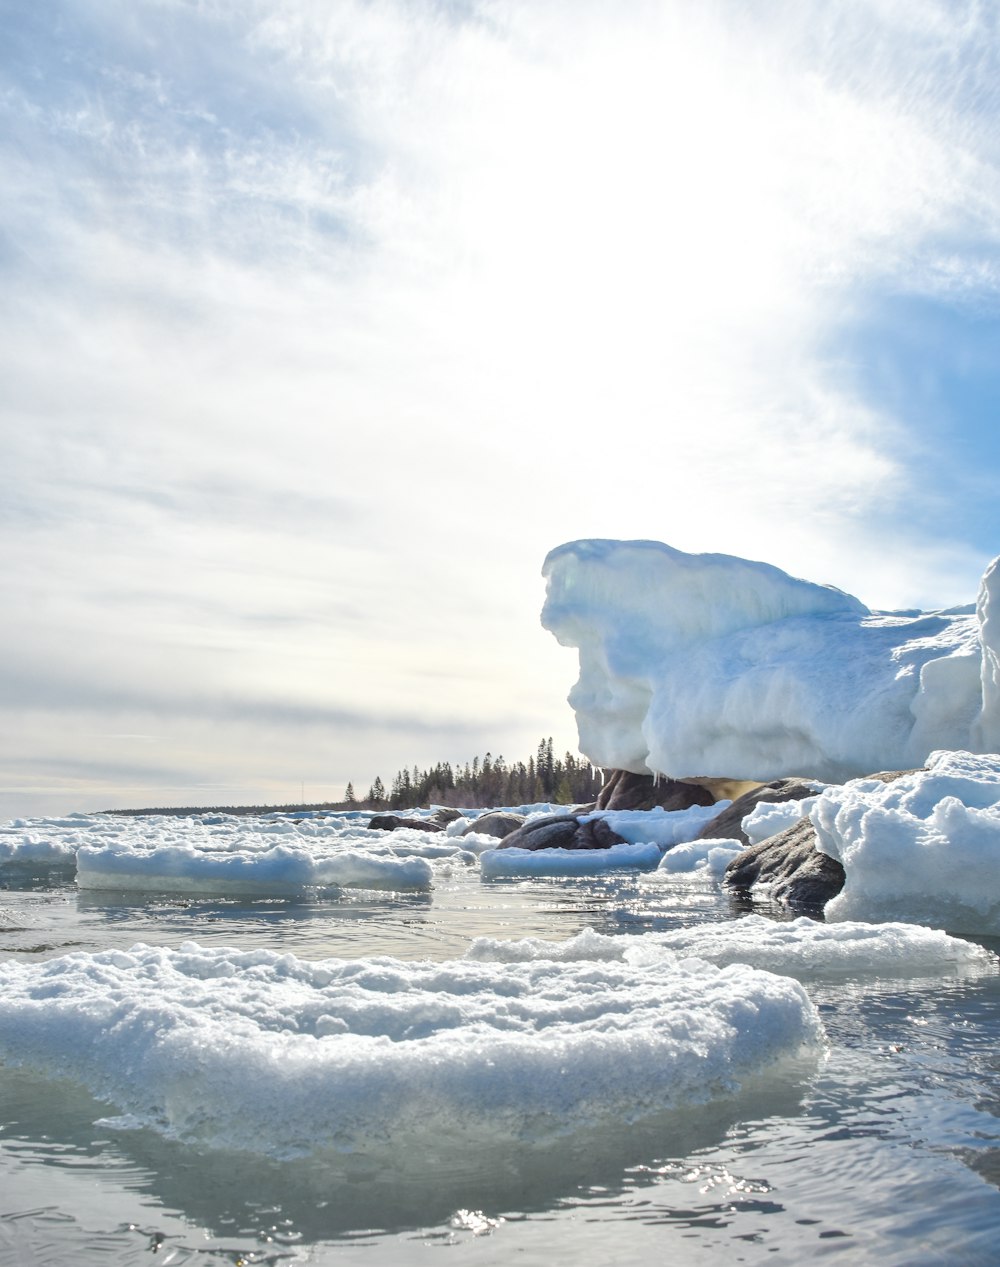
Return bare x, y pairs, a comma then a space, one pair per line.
349, 796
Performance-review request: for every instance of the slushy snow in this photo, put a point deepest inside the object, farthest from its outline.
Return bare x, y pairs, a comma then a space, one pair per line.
706, 664
261, 1051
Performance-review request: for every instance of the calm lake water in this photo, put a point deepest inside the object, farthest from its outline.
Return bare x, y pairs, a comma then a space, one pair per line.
887, 1150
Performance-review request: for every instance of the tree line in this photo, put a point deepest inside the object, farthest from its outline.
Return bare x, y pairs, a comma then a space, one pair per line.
568, 780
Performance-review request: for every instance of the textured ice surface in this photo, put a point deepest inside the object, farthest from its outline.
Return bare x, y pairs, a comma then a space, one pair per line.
801, 948
925, 847
706, 664
262, 1051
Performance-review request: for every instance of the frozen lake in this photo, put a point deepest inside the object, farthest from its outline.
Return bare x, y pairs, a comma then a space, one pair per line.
174, 1098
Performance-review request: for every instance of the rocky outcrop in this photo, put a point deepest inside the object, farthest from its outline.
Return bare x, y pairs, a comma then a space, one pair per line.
390, 822
562, 831
496, 823
624, 790
788, 869
727, 823
438, 821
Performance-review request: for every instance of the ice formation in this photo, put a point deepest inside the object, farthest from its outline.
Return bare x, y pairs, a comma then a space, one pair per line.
923, 848
706, 664
281, 870
553, 862
261, 1051
801, 948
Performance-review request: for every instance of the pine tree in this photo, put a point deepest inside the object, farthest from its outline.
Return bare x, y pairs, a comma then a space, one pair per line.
349, 796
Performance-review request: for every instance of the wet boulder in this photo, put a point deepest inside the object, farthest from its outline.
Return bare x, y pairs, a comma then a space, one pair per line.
497, 823
787, 869
562, 831
390, 822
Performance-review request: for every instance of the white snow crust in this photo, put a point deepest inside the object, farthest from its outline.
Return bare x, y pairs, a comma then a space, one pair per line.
924, 848
261, 1051
800, 948
707, 664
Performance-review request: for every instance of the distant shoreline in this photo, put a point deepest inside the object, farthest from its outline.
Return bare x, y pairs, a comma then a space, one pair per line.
187, 811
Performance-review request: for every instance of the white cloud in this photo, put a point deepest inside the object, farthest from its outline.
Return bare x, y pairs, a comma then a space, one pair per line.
326, 322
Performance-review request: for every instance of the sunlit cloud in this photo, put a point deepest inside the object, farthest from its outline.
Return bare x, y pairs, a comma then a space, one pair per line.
322, 324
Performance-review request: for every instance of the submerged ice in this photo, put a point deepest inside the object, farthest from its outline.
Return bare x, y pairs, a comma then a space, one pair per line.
706, 664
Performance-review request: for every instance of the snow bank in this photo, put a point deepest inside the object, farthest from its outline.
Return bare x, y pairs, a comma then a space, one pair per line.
264, 1052
705, 664
801, 948
924, 848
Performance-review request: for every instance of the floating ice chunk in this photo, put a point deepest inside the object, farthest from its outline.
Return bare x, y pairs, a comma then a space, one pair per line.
658, 826
801, 948
767, 818
704, 858
280, 870
264, 1052
554, 862
924, 848
707, 664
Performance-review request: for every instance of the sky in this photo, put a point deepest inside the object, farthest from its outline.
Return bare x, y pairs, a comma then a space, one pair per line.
322, 321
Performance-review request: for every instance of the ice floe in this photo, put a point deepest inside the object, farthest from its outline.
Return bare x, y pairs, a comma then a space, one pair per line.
261, 1051
800, 948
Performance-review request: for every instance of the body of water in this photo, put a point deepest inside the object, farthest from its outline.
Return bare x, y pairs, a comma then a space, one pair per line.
879, 1144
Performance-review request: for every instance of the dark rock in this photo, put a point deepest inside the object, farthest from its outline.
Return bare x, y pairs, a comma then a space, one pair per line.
625, 790
726, 824
497, 823
389, 822
552, 832
788, 869
444, 815
596, 834
562, 831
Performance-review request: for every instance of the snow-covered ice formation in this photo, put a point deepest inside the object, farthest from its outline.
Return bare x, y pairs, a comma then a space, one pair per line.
707, 664
800, 948
923, 848
261, 1051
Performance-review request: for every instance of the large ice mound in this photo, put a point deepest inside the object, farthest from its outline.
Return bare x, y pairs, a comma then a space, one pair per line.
706, 664
261, 1051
